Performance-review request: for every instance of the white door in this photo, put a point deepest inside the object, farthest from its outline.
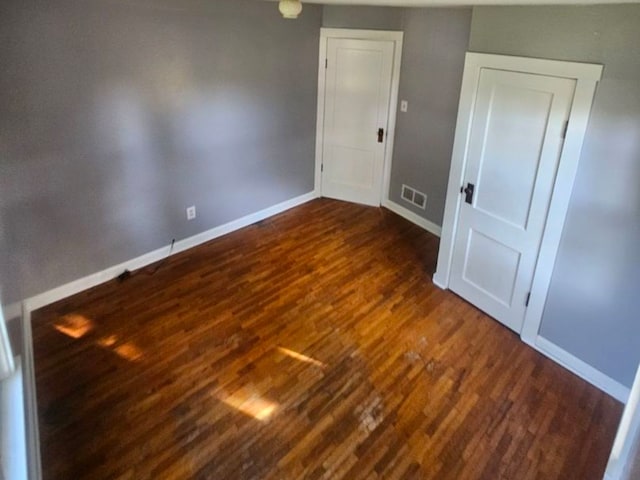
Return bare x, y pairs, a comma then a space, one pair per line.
516, 138
357, 93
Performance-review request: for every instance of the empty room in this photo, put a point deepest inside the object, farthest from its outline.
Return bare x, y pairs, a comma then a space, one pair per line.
340, 239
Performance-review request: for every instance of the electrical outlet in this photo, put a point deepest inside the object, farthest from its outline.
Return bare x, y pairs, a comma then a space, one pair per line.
191, 212
404, 105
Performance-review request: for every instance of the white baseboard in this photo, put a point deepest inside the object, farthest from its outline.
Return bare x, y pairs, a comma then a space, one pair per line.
413, 218
572, 363
437, 282
77, 286
582, 369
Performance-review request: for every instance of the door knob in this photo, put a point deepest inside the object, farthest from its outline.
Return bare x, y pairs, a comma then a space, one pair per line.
380, 135
468, 193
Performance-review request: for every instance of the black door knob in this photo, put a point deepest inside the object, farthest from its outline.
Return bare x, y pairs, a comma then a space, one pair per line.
468, 193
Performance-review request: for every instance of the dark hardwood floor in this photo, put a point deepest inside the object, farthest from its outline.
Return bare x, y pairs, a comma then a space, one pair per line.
311, 345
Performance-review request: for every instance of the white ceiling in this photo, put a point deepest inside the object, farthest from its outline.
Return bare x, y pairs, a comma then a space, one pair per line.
435, 3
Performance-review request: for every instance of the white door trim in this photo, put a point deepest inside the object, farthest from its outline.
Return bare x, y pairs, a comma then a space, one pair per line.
396, 38
586, 76
627, 443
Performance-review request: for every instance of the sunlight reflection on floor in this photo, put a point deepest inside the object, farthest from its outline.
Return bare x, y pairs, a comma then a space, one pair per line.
77, 326
301, 357
107, 341
129, 351
74, 325
250, 403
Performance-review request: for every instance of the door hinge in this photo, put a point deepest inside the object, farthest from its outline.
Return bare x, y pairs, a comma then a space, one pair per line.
321, 167
564, 129
326, 63
526, 302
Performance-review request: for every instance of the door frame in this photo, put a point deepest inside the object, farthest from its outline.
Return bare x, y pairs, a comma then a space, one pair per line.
346, 33
624, 451
586, 76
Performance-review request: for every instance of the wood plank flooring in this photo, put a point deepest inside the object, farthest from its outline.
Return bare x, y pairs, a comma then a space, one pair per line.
311, 345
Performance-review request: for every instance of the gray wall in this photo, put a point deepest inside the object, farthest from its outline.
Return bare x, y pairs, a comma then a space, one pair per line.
594, 299
375, 18
115, 117
435, 41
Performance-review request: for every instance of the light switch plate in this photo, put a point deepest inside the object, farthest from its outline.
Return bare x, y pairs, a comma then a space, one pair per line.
404, 105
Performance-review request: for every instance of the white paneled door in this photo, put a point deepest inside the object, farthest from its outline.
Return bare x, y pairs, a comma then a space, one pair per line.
356, 111
516, 138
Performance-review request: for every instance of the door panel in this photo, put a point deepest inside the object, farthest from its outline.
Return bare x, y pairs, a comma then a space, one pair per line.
514, 150
501, 179
488, 254
357, 93
350, 166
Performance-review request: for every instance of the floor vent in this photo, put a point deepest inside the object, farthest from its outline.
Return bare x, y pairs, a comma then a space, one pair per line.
414, 197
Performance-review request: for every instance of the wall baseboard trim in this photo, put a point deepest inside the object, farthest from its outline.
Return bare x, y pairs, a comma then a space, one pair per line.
413, 218
582, 369
38, 301
436, 281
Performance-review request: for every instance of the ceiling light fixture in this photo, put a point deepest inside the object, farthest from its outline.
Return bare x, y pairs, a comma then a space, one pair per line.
290, 8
